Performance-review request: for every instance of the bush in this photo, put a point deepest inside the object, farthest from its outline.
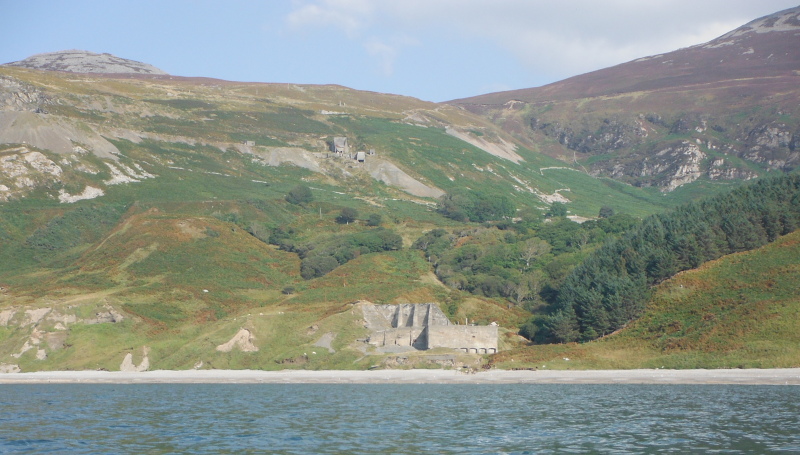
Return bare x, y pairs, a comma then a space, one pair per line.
299, 195
462, 204
606, 211
347, 215
321, 258
557, 209
315, 266
374, 219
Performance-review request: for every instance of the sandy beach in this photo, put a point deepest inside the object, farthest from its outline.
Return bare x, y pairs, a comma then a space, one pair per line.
789, 376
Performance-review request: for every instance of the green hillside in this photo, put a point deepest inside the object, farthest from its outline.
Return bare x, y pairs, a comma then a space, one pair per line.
740, 311
149, 216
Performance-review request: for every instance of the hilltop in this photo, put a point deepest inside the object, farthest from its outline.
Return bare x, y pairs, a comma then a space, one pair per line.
722, 110
77, 61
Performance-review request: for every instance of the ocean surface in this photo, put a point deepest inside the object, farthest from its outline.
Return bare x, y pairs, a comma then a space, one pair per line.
401, 419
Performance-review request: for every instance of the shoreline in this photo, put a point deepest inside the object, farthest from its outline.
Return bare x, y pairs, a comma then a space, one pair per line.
782, 376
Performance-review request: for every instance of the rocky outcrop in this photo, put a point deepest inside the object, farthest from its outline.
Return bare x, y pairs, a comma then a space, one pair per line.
674, 166
128, 365
243, 341
776, 145
19, 96
610, 134
720, 169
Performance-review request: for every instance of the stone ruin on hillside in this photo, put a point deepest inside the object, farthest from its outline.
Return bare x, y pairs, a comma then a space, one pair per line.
422, 326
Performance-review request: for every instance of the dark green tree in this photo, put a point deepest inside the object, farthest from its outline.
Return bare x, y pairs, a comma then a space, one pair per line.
606, 212
557, 209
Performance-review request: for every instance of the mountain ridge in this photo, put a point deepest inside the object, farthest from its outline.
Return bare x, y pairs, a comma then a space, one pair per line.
722, 110
610, 81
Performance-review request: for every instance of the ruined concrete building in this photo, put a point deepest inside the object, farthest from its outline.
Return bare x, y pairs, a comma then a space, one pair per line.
340, 146
424, 326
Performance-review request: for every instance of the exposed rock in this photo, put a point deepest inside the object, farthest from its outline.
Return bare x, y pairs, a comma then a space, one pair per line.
32, 317
676, 165
499, 149
110, 315
774, 145
388, 173
78, 61
243, 340
325, 341
610, 134
89, 192
9, 368
720, 170
6, 315
55, 340
128, 365
54, 133
19, 96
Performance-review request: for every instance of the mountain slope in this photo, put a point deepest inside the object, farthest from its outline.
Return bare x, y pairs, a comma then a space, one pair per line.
723, 110
143, 216
422, 149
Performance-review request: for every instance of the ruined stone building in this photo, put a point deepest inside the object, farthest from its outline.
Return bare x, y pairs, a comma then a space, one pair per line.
340, 146
423, 326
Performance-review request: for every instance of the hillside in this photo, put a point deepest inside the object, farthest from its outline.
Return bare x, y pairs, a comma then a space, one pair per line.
150, 221
149, 214
738, 311
129, 122
722, 110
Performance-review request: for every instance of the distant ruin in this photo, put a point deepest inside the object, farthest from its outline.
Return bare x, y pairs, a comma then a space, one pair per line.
424, 326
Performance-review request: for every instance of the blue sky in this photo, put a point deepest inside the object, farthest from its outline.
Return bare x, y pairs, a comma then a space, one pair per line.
434, 50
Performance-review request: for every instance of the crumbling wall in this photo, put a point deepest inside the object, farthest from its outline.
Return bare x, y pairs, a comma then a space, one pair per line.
475, 339
424, 326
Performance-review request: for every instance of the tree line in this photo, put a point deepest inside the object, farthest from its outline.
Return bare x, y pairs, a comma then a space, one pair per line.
611, 286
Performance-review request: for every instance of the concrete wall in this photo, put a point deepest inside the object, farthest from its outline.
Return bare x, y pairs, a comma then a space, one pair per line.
413, 314
424, 326
407, 336
476, 339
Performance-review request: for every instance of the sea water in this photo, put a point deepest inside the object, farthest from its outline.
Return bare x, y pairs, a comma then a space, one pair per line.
401, 419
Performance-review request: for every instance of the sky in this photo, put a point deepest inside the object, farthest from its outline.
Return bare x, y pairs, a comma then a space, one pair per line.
435, 50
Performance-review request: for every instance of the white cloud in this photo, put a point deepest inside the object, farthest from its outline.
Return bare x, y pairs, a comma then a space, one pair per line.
556, 39
386, 55
351, 16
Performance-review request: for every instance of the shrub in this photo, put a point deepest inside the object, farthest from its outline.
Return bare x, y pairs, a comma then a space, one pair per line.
347, 215
315, 266
557, 209
299, 195
462, 204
